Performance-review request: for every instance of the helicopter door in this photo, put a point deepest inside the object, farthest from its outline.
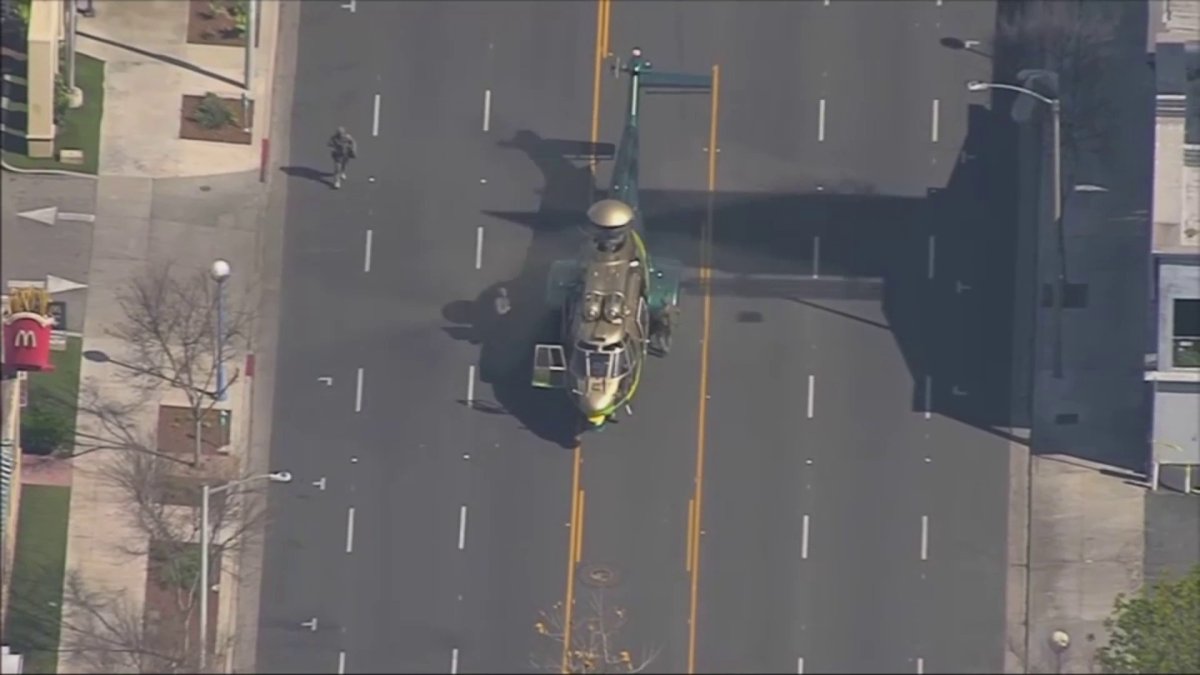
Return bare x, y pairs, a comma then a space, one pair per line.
549, 367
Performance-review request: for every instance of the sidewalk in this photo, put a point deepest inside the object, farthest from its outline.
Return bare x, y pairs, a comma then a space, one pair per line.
140, 222
159, 198
1087, 527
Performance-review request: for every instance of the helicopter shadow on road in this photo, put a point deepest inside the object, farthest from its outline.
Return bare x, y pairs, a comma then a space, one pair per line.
506, 340
956, 328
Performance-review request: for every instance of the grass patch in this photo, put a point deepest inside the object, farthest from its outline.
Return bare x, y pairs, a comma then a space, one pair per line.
81, 127
34, 612
54, 396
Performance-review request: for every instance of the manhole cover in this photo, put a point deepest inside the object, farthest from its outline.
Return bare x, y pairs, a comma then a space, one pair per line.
599, 576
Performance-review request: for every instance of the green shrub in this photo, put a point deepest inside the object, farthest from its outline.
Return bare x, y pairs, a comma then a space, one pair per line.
239, 11
212, 113
62, 100
43, 431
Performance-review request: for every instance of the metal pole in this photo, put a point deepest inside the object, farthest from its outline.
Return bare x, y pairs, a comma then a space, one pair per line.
220, 339
204, 585
199, 449
251, 34
72, 31
1055, 109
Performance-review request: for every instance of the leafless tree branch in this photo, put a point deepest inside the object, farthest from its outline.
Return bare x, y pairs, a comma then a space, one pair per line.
105, 632
594, 642
1072, 39
169, 328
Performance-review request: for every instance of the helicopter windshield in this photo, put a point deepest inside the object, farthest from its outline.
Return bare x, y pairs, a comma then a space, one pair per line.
588, 361
599, 364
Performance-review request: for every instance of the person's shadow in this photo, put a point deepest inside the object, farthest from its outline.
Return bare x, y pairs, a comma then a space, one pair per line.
309, 173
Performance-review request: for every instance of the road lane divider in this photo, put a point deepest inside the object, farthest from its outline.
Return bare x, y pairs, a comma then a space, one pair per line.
578, 551
358, 392
816, 256
471, 386
375, 118
479, 247
921, 661
933, 131
812, 386
462, 527
804, 538
800, 661
928, 396
367, 253
603, 16
932, 254
341, 663
487, 109
605, 47
924, 537
350, 530
575, 531
821, 121
705, 340
691, 523
454, 661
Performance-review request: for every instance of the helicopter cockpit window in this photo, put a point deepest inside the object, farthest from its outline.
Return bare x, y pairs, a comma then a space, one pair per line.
623, 365
599, 364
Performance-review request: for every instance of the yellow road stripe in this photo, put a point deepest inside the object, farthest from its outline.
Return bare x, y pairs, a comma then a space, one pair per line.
576, 528
579, 532
691, 523
701, 424
601, 42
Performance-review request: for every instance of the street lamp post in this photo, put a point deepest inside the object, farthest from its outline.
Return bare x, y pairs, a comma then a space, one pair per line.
1056, 115
205, 542
220, 272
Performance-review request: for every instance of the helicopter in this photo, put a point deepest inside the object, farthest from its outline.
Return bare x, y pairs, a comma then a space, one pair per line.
615, 303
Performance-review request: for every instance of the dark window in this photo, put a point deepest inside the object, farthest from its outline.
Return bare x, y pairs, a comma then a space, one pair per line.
1185, 335
1187, 318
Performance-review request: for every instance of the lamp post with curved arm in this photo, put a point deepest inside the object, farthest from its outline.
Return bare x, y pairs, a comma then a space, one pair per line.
205, 537
1055, 112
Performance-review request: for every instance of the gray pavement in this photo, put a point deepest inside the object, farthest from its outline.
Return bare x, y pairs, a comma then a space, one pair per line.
406, 598
29, 250
862, 600
867, 469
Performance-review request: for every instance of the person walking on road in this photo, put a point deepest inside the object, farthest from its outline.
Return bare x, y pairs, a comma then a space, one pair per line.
343, 149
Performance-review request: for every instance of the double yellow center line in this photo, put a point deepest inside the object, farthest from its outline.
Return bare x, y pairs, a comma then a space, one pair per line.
695, 505
578, 501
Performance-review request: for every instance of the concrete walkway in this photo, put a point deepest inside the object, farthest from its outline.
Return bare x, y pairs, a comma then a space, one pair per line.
160, 199
143, 90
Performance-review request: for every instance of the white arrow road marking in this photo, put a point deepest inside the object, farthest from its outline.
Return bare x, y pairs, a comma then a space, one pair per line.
60, 285
47, 215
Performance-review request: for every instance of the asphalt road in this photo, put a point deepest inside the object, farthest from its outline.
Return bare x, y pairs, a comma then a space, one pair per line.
407, 455
865, 467
862, 470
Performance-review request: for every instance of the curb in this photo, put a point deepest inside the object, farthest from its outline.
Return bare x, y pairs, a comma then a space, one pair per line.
47, 172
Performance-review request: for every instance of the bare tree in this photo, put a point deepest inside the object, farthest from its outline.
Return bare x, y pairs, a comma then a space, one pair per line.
169, 325
1072, 39
104, 632
163, 495
592, 645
